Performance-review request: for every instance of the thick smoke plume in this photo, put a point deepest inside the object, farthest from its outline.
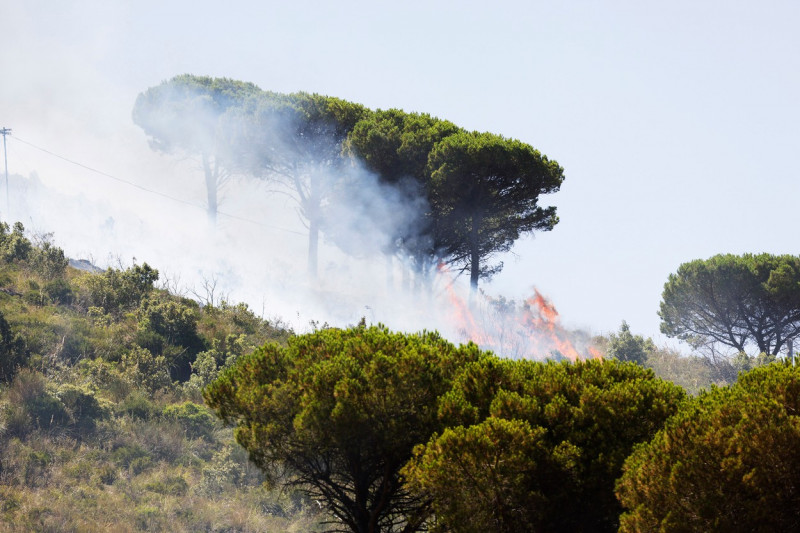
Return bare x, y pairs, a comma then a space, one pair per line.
256, 247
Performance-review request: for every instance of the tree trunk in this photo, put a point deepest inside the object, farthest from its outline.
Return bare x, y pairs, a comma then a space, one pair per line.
475, 257
313, 247
211, 175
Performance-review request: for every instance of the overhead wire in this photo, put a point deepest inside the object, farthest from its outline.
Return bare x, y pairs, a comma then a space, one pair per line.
151, 191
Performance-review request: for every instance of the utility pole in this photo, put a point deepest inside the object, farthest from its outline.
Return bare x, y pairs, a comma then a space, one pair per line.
4, 132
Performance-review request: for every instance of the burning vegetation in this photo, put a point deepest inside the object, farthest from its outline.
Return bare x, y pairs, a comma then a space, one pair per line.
531, 329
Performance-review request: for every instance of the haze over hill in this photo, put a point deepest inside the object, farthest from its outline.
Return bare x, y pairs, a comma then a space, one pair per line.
259, 256
675, 126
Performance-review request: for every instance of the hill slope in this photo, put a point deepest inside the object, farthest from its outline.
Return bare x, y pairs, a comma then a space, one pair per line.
102, 423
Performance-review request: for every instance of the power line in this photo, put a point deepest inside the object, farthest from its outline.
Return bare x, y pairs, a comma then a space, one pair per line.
136, 185
4, 132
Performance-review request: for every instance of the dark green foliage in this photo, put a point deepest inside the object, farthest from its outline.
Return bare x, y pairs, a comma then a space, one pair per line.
83, 408
728, 461
537, 446
138, 405
116, 291
626, 347
14, 246
485, 192
48, 261
175, 485
493, 476
145, 370
342, 409
481, 189
395, 146
736, 301
58, 291
134, 457
166, 322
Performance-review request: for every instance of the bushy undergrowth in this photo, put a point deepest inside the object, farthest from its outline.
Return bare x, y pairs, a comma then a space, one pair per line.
102, 422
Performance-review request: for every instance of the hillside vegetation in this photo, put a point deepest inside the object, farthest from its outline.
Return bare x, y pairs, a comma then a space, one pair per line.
111, 387
102, 421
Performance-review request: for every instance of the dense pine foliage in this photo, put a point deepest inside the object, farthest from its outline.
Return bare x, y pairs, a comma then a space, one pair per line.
729, 460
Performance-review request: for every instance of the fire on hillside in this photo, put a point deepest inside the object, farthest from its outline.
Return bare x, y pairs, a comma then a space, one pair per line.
531, 329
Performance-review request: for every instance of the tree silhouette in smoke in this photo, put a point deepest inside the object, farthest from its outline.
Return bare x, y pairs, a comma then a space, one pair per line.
295, 142
193, 115
431, 193
395, 146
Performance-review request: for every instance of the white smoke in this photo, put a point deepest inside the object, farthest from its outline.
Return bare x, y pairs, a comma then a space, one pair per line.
111, 199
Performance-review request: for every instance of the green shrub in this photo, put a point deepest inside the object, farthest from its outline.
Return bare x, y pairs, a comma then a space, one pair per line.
172, 485
139, 406
167, 322
116, 291
47, 260
145, 370
220, 474
106, 377
148, 518
106, 473
196, 420
59, 291
36, 467
14, 246
131, 456
218, 323
30, 406
82, 406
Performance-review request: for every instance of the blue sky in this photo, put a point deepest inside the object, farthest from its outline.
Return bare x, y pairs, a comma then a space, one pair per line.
677, 123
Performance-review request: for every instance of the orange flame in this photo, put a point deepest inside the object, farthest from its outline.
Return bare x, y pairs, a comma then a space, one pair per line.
533, 329
543, 320
463, 316
595, 353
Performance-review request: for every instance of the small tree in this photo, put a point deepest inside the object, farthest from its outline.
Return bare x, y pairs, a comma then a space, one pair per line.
48, 260
734, 301
627, 347
728, 461
342, 410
